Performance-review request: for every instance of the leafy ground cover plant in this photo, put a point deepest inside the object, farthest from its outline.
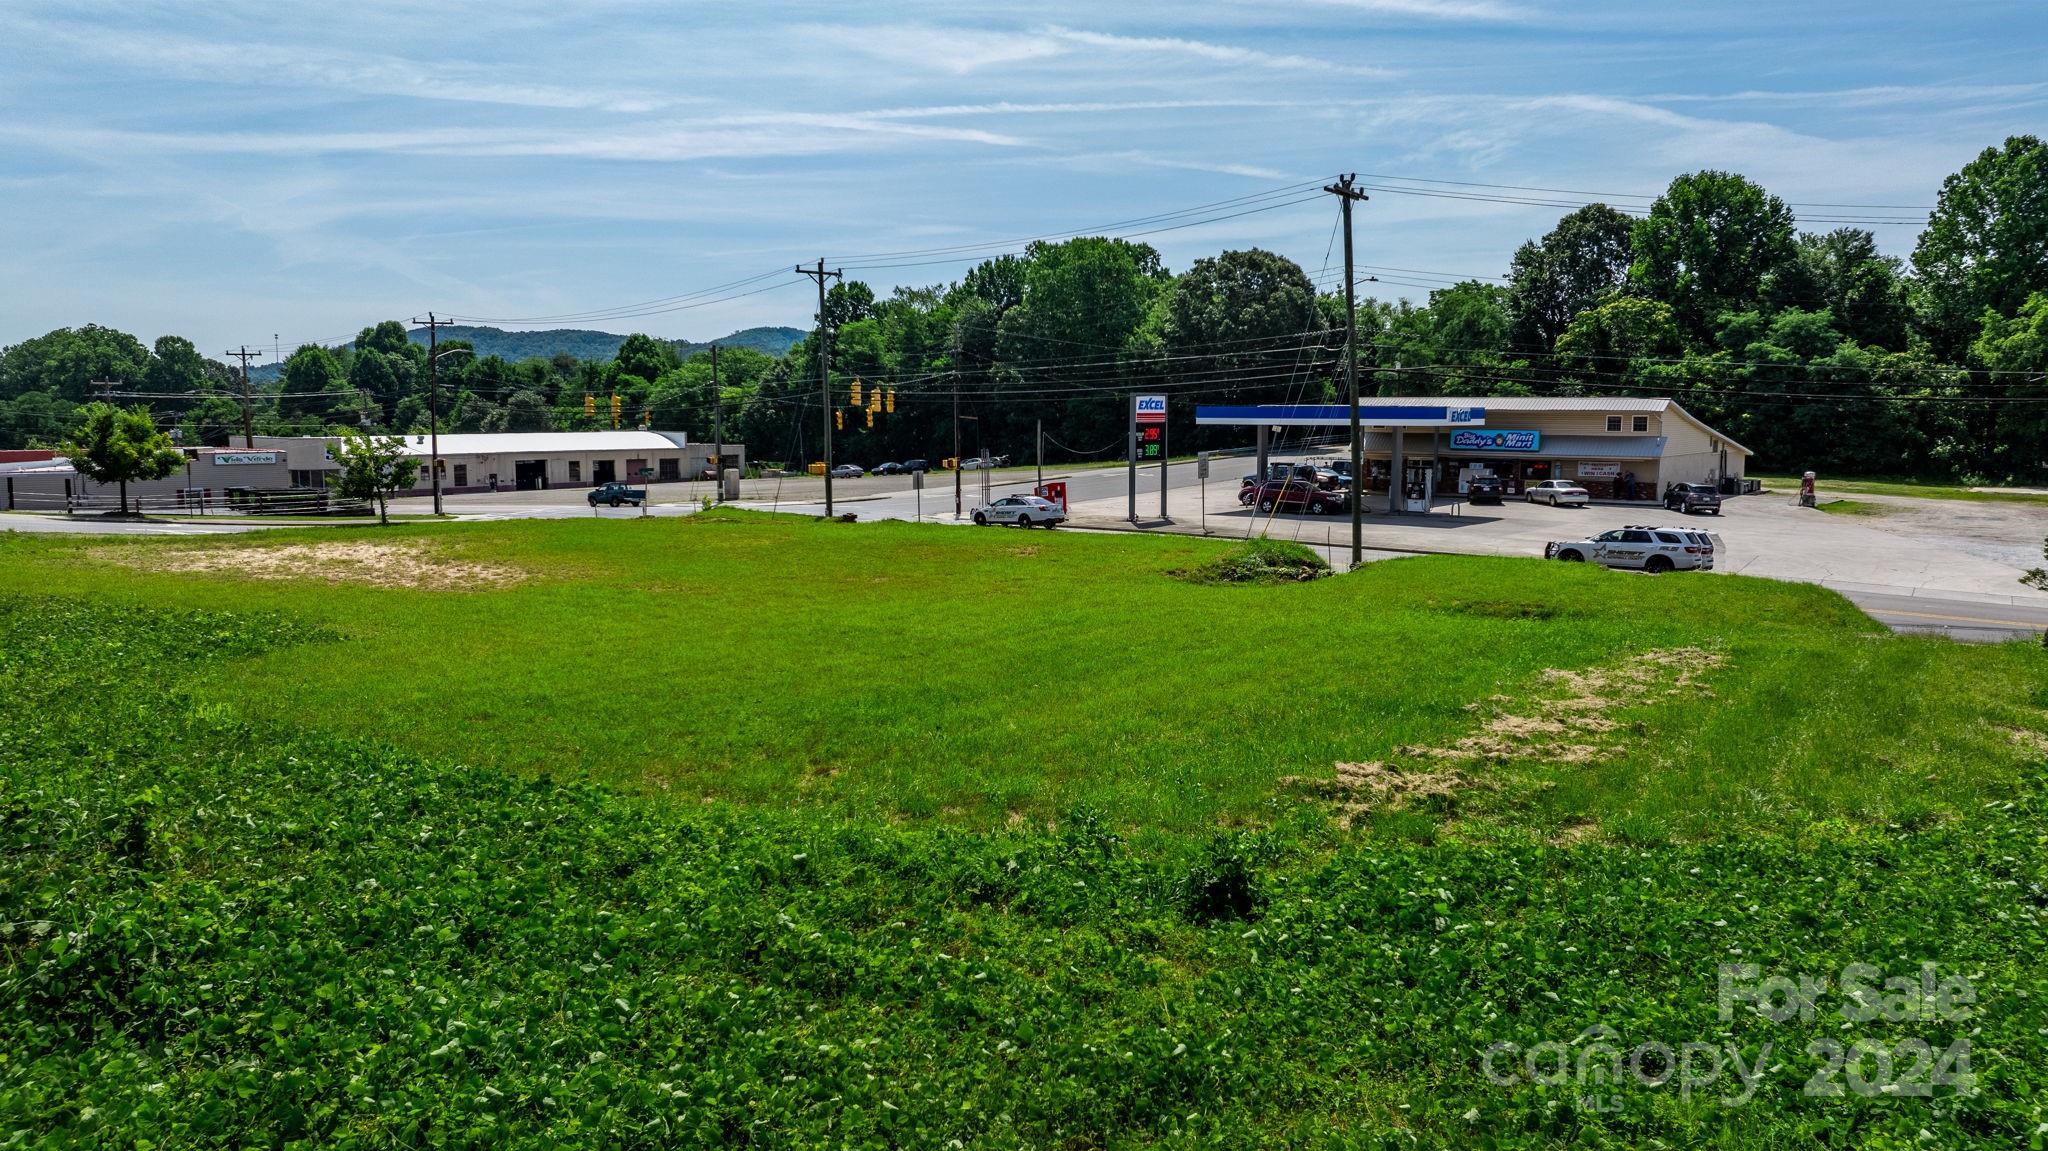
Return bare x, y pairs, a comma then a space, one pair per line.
219, 933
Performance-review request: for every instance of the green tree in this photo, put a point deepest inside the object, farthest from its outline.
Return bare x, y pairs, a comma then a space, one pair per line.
640, 361
846, 302
373, 468
311, 379
1842, 273
1986, 244
1707, 246
1583, 259
2018, 348
387, 337
69, 361
176, 369
1608, 344
115, 445
371, 372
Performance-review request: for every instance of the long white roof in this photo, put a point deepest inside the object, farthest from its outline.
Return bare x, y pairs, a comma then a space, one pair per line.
545, 443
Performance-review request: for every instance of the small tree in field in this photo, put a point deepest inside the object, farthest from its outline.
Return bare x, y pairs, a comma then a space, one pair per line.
372, 468
114, 445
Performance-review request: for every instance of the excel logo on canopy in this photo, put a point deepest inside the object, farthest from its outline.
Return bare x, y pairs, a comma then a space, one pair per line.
1150, 409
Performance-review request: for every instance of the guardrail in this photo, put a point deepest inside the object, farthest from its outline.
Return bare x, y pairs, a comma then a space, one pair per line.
202, 502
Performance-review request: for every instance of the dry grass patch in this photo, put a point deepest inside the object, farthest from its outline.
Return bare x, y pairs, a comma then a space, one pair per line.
1565, 722
384, 563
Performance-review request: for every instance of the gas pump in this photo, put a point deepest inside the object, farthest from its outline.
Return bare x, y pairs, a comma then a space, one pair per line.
1418, 487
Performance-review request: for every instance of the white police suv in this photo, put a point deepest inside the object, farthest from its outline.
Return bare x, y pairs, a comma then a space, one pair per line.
1640, 548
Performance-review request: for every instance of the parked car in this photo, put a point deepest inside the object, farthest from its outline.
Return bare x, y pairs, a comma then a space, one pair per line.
1485, 490
910, 466
886, 469
615, 493
973, 463
1557, 493
1689, 498
1296, 496
1021, 511
1641, 548
848, 471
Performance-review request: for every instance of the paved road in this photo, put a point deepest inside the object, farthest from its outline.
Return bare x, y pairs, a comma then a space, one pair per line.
1910, 585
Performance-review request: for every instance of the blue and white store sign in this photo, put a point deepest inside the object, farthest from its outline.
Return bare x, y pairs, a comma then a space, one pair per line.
1495, 440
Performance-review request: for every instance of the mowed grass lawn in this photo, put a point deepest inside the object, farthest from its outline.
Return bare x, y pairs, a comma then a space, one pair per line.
993, 677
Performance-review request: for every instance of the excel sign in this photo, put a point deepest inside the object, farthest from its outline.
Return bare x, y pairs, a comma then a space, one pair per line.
1149, 409
1495, 440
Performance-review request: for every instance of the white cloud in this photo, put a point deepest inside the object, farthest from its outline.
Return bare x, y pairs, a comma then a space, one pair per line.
956, 51
1477, 10
1202, 49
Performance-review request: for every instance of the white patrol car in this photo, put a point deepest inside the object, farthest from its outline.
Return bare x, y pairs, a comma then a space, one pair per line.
1024, 511
1640, 547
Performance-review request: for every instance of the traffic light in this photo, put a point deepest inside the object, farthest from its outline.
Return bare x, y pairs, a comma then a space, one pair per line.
870, 414
839, 418
892, 401
853, 390
589, 404
615, 409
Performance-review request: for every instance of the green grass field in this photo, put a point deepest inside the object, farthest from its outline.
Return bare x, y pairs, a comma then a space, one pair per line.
990, 676
1850, 507
737, 830
1918, 489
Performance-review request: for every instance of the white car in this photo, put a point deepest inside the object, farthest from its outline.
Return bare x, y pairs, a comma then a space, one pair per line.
1023, 511
1640, 548
848, 472
1557, 492
973, 463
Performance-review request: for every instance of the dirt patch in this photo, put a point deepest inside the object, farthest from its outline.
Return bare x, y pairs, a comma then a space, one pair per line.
409, 564
2029, 742
1564, 721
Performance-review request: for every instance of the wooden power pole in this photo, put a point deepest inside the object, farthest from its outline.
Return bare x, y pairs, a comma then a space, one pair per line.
1346, 192
824, 369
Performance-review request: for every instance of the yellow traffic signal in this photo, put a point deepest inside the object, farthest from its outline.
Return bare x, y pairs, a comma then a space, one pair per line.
870, 414
589, 404
615, 409
853, 389
839, 419
892, 401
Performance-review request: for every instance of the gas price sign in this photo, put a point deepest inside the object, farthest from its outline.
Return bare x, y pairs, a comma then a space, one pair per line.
1151, 441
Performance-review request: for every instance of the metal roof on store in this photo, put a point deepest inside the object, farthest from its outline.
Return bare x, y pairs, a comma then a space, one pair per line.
545, 443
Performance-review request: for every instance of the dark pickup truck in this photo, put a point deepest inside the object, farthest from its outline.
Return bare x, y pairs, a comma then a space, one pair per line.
615, 493
1690, 498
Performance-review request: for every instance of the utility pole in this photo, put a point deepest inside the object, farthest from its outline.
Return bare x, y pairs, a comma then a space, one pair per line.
717, 428
956, 448
433, 405
824, 370
1346, 192
1041, 453
248, 420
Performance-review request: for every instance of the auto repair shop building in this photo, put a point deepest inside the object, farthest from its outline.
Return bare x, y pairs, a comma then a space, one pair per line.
525, 461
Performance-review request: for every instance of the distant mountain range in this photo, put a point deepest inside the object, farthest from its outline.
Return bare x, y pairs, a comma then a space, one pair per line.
586, 344
582, 343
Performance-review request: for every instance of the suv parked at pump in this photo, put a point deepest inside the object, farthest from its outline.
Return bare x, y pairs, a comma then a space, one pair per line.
1294, 496
1485, 490
1689, 498
1640, 548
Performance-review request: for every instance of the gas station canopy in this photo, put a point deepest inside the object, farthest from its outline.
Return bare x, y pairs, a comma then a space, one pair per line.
1339, 415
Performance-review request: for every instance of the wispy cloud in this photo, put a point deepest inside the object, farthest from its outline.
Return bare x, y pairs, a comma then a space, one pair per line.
1480, 10
334, 69
1204, 50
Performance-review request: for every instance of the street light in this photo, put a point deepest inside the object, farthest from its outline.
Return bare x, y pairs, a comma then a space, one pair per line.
434, 419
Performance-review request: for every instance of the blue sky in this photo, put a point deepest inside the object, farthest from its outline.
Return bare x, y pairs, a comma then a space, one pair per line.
231, 170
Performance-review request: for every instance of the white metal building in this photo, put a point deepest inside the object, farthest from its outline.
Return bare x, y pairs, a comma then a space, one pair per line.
520, 461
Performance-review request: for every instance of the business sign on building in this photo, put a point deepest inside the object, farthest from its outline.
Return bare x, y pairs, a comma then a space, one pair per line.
1599, 471
246, 457
1149, 409
1495, 440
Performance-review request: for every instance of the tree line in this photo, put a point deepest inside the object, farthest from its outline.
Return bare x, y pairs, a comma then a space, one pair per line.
1812, 348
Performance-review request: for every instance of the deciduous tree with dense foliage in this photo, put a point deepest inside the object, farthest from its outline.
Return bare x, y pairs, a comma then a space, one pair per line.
115, 445
1986, 244
373, 468
1707, 246
1571, 269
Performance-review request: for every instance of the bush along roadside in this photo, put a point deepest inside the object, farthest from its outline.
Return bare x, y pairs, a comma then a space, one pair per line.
213, 935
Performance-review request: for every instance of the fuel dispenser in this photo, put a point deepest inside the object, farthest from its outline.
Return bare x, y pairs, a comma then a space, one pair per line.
1418, 487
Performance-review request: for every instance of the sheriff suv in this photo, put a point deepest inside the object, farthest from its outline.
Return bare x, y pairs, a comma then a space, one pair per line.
1640, 548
